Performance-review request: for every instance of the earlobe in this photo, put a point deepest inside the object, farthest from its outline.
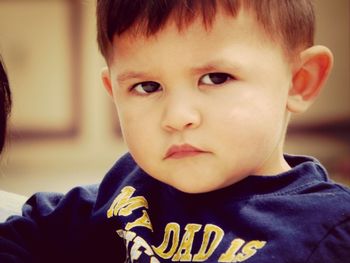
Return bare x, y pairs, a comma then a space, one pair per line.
107, 81
310, 74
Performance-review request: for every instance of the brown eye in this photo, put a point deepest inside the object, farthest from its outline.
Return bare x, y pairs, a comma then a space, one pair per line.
146, 87
215, 78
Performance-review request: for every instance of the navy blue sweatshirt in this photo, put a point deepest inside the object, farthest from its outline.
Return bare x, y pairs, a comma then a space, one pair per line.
298, 216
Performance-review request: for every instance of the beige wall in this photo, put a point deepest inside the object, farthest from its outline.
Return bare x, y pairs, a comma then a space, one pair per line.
65, 122
53, 151
328, 134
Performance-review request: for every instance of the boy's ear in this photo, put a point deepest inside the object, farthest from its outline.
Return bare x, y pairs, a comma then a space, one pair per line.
309, 75
107, 81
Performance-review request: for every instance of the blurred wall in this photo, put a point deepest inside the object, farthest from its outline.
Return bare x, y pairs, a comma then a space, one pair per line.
64, 128
324, 130
63, 124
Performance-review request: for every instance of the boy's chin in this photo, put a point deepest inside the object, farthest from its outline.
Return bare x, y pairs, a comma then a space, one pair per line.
196, 187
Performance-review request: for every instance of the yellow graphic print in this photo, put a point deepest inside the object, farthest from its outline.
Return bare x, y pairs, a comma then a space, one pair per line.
175, 246
247, 250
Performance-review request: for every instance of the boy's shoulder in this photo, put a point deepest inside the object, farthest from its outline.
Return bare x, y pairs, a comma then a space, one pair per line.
308, 187
313, 178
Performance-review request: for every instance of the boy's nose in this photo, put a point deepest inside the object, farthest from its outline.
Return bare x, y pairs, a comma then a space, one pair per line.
181, 113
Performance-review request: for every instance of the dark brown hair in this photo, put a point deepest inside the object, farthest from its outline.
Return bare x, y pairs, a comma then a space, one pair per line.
5, 104
290, 22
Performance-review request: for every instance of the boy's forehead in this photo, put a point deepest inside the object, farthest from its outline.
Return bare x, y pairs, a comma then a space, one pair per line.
231, 32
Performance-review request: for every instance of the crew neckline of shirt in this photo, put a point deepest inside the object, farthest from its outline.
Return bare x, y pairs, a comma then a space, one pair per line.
305, 171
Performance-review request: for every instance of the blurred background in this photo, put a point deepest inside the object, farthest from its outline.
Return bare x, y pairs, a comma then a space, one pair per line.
64, 129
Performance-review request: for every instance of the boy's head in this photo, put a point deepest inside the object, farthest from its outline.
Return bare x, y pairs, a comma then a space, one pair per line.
204, 89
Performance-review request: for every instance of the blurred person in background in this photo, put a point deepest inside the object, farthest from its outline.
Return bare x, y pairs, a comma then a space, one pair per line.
5, 103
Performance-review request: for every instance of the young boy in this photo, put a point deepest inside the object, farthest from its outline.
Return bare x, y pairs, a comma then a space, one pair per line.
204, 91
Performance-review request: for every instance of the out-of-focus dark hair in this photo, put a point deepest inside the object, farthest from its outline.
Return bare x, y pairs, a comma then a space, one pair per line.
5, 103
289, 22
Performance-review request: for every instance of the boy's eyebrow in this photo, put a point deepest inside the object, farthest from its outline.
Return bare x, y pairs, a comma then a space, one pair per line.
215, 66
127, 75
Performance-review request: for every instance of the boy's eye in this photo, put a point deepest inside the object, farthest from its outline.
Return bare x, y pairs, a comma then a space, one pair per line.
215, 78
146, 87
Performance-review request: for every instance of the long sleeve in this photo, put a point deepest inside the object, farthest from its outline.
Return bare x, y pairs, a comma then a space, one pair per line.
50, 229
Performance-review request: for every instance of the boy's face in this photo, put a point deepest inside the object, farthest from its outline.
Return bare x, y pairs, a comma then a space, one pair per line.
201, 109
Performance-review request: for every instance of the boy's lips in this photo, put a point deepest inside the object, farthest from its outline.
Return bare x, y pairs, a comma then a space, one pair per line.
181, 151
